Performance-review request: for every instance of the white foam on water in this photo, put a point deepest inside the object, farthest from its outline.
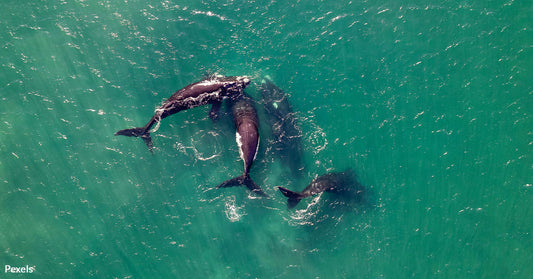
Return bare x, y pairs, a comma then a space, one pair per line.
158, 113
303, 216
232, 210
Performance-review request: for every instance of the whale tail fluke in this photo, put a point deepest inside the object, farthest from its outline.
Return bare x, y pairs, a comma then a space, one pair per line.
138, 132
246, 181
294, 197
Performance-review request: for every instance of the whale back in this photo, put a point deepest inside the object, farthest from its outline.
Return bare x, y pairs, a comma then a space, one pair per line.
247, 132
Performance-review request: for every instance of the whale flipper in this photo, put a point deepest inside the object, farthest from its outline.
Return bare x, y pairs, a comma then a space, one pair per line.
138, 132
215, 108
294, 197
243, 180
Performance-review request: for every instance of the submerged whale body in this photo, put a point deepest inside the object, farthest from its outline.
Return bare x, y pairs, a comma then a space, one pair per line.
287, 136
342, 183
211, 90
247, 137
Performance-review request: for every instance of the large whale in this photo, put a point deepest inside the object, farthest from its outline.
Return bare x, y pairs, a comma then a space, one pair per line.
287, 136
247, 137
211, 90
335, 182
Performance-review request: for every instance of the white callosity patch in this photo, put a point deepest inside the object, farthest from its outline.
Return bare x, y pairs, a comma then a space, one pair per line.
201, 99
238, 139
257, 148
244, 79
206, 82
189, 102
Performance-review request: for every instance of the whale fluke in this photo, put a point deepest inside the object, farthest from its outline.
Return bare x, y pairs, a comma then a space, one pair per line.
138, 132
243, 180
342, 183
247, 138
294, 197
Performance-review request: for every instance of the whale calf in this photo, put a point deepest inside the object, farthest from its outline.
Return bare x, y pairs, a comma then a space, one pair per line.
286, 134
335, 182
247, 137
211, 90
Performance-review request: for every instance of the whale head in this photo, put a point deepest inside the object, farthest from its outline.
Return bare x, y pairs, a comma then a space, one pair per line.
243, 80
234, 86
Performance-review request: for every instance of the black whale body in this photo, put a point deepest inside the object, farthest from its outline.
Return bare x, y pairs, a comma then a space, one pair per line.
247, 138
286, 134
341, 183
211, 90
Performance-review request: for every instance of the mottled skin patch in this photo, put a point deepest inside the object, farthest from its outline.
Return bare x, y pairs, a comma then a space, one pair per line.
211, 90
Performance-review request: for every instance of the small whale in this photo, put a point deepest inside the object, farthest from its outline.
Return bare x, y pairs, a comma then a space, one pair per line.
285, 131
247, 137
211, 90
336, 182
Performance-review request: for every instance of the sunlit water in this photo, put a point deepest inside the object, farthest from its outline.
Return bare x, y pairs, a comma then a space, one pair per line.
428, 102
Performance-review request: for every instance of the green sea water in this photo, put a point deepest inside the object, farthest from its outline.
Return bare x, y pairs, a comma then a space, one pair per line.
429, 102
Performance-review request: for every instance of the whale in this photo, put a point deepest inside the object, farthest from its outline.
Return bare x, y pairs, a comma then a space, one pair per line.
343, 183
247, 138
286, 134
211, 90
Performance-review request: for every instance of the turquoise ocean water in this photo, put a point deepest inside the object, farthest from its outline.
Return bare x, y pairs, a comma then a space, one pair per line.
427, 101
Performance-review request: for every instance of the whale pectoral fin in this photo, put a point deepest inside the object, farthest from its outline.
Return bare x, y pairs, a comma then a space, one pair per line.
214, 112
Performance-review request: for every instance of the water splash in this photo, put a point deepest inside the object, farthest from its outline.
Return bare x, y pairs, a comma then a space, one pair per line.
158, 113
306, 216
231, 210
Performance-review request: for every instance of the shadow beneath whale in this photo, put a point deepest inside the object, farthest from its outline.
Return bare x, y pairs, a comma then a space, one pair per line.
286, 138
329, 197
